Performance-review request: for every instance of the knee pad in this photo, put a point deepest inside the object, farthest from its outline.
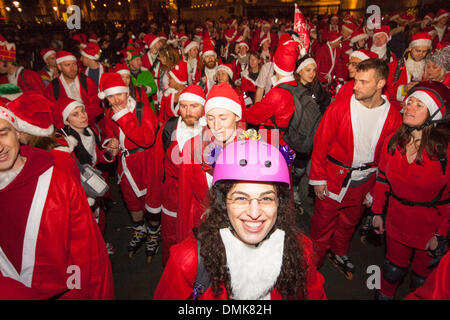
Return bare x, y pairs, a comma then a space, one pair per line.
416, 281
393, 273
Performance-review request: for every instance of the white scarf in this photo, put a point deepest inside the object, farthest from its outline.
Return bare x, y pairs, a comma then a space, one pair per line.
253, 270
7, 177
415, 68
381, 51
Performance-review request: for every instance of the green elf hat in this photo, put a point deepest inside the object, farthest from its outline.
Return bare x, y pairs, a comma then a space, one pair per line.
132, 51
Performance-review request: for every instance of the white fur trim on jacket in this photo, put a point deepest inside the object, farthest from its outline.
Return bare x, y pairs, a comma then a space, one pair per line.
253, 270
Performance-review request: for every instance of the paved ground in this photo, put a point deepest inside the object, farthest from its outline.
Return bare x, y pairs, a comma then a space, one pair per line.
136, 279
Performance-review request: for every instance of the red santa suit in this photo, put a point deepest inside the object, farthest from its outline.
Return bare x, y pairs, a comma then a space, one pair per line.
168, 105
278, 103
437, 285
89, 97
343, 141
49, 232
167, 157
26, 80
177, 281
409, 228
327, 60
134, 140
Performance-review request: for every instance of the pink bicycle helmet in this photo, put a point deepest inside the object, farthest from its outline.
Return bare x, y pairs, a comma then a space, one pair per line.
251, 160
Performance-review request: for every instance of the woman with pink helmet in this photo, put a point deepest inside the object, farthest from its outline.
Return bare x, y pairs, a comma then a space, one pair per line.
247, 247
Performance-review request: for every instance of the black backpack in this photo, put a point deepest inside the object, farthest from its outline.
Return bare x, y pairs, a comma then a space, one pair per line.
299, 135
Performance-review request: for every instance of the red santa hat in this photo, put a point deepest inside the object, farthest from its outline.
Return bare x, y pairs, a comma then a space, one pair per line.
265, 38
122, 68
33, 113
285, 38
81, 38
223, 96
228, 68
162, 36
188, 45
285, 58
62, 56
363, 54
334, 16
358, 35
92, 51
421, 39
6, 114
193, 93
440, 14
111, 83
431, 100
180, 73
350, 27
384, 29
243, 43
45, 53
93, 38
182, 36
150, 40
429, 16
64, 106
333, 36
208, 48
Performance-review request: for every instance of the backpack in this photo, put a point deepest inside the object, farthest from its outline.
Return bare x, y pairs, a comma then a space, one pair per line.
299, 134
57, 89
169, 127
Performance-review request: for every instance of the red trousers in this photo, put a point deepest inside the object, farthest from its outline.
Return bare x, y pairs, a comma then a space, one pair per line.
400, 255
132, 202
168, 235
333, 223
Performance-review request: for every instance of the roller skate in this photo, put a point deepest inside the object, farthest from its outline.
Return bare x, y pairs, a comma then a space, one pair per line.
138, 238
367, 232
153, 241
343, 263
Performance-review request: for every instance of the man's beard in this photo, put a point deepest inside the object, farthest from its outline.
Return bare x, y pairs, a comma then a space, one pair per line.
381, 51
211, 64
415, 68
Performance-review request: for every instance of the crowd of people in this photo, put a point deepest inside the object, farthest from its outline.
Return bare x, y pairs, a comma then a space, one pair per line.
198, 120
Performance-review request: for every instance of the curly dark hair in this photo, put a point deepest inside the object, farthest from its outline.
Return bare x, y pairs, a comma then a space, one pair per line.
291, 282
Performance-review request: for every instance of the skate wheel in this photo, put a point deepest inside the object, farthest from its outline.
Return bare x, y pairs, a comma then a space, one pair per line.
131, 254
363, 239
349, 275
149, 259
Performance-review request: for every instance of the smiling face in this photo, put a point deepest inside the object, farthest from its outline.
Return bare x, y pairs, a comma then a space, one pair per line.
9, 147
252, 222
415, 112
222, 123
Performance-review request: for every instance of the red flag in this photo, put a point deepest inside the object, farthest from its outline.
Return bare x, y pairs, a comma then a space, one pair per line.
302, 29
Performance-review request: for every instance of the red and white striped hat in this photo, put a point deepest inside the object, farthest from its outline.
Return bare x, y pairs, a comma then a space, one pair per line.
111, 83
33, 113
62, 56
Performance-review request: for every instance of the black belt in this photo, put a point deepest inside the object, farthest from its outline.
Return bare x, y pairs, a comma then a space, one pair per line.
350, 169
127, 152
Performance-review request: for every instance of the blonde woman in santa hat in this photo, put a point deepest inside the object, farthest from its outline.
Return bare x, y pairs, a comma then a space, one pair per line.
223, 113
412, 186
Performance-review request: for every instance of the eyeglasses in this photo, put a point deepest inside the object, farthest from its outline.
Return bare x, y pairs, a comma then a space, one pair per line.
242, 202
